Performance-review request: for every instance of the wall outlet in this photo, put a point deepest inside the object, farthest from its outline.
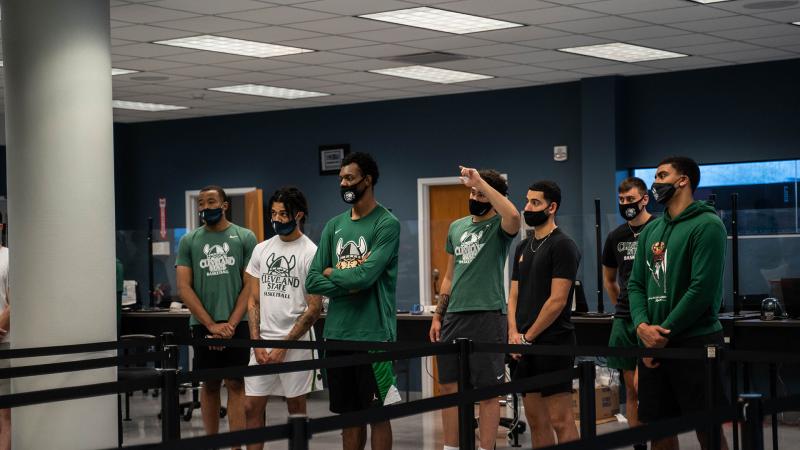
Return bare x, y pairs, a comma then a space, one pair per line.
560, 153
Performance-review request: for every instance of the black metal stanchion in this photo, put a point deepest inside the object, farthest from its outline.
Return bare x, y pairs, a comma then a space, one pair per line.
466, 410
150, 286
712, 378
170, 414
752, 421
300, 433
734, 394
588, 415
737, 300
598, 238
773, 394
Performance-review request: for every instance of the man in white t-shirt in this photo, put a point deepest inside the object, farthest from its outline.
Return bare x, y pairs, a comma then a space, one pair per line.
5, 339
279, 307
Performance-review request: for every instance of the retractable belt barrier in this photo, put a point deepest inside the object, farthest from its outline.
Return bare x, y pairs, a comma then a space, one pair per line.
750, 410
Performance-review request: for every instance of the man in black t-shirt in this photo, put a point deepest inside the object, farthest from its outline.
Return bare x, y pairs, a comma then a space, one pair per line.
618, 255
539, 309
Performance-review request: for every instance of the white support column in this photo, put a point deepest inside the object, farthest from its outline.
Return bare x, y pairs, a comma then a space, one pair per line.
59, 140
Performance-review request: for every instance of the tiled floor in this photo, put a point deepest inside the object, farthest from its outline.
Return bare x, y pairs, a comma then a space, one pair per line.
415, 432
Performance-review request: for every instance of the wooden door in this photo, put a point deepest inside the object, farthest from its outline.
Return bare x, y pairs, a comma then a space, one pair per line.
447, 203
254, 213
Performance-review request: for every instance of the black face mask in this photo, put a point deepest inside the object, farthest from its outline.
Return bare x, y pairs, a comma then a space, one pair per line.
662, 192
629, 211
535, 218
211, 216
284, 229
479, 209
352, 195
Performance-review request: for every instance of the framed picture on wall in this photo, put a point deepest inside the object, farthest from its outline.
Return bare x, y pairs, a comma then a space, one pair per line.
330, 158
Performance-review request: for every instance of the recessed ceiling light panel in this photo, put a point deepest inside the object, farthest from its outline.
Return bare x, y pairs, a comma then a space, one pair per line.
233, 46
432, 74
618, 51
268, 91
141, 106
441, 20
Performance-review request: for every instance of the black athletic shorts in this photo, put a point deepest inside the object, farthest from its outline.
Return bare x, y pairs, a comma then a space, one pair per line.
355, 388
533, 365
206, 358
485, 369
678, 386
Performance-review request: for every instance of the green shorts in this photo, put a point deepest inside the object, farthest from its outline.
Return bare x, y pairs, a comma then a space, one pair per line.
623, 335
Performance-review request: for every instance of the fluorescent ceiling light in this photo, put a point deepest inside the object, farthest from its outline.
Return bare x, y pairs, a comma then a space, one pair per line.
618, 51
140, 106
115, 71
441, 20
268, 91
1, 63
233, 46
432, 74
793, 23
705, 2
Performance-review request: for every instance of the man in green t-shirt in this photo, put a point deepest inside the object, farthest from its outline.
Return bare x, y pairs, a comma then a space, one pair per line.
472, 304
356, 267
210, 266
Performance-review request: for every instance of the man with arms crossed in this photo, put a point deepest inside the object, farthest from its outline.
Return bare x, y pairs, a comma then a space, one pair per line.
210, 266
618, 254
279, 307
675, 291
539, 312
356, 267
472, 303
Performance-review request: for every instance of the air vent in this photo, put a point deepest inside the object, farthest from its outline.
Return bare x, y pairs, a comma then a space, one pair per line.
771, 4
426, 58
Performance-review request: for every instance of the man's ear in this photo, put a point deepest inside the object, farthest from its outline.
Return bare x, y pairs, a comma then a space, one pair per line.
645, 199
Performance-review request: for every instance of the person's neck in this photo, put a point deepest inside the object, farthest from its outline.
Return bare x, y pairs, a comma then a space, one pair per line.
678, 204
363, 207
545, 229
485, 217
641, 219
293, 236
219, 226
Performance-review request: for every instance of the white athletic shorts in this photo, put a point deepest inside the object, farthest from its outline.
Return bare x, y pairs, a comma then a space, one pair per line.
289, 385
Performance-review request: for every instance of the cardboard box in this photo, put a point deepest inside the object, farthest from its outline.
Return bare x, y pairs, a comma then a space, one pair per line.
606, 401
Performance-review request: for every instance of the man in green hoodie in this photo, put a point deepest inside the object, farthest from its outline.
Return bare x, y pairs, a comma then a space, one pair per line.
356, 267
675, 291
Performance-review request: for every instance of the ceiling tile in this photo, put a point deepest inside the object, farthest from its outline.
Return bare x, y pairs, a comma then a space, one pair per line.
251, 77
149, 50
549, 15
380, 51
652, 31
511, 71
356, 7
494, 7
597, 24
682, 63
536, 57
279, 15
725, 23
719, 47
344, 88
209, 24
396, 83
146, 14
194, 83
353, 77
317, 58
343, 25
575, 40
755, 55
447, 43
493, 50
514, 35
473, 64
782, 16
328, 43
304, 83
308, 71
367, 64
576, 63
270, 34
677, 41
616, 69
667, 16
204, 57
259, 64
628, 6
147, 33
396, 35
209, 6
761, 32
202, 71
777, 41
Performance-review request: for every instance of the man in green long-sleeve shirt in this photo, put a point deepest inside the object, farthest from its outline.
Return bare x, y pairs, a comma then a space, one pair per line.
675, 291
356, 267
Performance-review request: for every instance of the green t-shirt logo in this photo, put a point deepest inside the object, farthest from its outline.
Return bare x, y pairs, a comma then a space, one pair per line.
351, 255
470, 246
217, 260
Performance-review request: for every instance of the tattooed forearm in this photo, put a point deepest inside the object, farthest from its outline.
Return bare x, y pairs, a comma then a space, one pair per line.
441, 307
307, 319
254, 316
